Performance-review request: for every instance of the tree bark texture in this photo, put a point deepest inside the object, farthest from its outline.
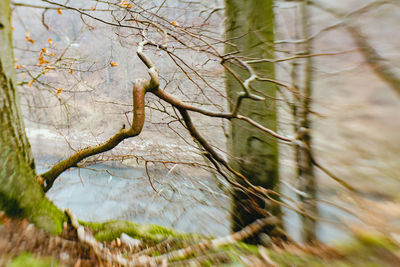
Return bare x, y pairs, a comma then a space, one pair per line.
250, 31
20, 195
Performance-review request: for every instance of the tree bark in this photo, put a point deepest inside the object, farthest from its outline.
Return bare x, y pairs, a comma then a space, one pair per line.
21, 195
250, 32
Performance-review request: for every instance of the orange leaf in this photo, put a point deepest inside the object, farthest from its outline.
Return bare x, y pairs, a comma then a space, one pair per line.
41, 59
23, 75
59, 11
59, 91
92, 8
125, 4
44, 50
50, 41
70, 71
29, 39
12, 28
53, 55
15, 60
175, 23
30, 83
16, 66
113, 64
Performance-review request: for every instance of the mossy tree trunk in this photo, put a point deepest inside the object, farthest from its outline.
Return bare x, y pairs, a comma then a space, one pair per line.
250, 31
20, 195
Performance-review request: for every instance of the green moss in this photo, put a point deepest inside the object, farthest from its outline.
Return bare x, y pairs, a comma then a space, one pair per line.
110, 230
366, 249
27, 259
289, 260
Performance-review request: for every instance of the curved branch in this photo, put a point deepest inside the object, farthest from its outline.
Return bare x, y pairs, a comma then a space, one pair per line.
139, 91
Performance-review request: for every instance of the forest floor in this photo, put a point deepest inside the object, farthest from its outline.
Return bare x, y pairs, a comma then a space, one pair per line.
22, 244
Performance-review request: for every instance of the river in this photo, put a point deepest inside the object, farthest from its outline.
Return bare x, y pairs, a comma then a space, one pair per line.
189, 203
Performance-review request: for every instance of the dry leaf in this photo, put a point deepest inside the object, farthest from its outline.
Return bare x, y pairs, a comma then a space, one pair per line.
16, 66
50, 41
12, 28
30, 83
70, 71
41, 59
59, 91
92, 8
53, 55
15, 60
59, 11
29, 39
113, 64
175, 23
125, 4
23, 75
44, 50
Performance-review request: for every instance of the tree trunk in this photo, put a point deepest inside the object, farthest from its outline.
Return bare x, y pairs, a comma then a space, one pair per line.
250, 30
307, 180
20, 195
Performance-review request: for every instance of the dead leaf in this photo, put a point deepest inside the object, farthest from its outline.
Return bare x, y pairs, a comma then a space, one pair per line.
53, 55
113, 64
30, 83
175, 23
44, 50
92, 8
125, 4
59, 91
29, 39
50, 41
41, 59
59, 11
70, 71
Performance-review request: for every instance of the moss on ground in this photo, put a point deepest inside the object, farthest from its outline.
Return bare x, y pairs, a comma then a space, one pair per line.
28, 259
110, 230
366, 249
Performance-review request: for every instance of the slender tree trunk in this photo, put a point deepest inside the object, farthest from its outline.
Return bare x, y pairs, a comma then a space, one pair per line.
250, 30
20, 193
307, 181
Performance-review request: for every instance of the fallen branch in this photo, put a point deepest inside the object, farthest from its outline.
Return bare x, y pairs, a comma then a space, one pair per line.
103, 252
246, 232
